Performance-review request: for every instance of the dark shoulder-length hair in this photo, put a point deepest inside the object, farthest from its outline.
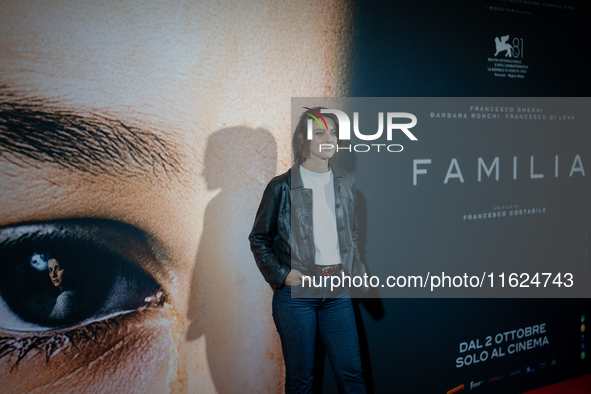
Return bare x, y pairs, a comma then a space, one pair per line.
71, 272
300, 142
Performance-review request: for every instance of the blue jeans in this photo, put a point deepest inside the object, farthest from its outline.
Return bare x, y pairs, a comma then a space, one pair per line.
297, 319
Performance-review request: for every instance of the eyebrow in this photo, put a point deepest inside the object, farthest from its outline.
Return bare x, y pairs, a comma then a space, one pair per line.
322, 129
93, 144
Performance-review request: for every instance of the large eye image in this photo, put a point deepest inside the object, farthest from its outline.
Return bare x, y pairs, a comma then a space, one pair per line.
64, 274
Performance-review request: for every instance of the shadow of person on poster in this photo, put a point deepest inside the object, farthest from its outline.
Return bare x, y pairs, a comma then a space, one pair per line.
224, 259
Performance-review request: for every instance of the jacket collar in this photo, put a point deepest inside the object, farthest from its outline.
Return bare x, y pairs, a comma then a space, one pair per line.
295, 174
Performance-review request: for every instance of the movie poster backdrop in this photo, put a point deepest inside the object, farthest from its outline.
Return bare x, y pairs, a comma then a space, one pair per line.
136, 141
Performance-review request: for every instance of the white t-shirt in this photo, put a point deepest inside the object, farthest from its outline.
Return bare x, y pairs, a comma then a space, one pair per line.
324, 221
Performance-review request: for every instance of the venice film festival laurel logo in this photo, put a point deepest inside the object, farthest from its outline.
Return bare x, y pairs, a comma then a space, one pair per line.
512, 50
507, 59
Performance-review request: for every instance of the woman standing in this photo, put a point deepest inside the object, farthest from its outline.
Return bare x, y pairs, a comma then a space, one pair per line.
317, 237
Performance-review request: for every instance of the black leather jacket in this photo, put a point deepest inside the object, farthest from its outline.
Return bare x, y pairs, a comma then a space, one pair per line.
282, 238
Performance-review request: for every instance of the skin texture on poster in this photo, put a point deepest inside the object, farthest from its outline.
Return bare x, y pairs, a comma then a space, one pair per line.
136, 139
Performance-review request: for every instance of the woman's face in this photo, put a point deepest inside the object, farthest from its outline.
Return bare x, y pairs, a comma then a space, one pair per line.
324, 142
55, 272
130, 94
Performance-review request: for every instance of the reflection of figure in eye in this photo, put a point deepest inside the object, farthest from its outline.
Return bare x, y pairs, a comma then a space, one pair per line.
65, 304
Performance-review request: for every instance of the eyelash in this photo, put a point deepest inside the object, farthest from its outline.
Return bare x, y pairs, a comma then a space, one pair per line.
51, 343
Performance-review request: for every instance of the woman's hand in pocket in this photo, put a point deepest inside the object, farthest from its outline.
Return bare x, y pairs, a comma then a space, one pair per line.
294, 278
